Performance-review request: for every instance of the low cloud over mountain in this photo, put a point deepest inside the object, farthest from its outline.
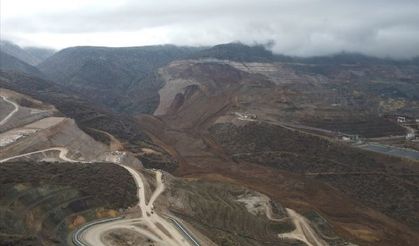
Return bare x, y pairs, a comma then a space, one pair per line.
302, 27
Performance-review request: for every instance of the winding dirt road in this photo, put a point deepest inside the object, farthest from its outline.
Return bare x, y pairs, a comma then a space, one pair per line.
160, 188
150, 225
62, 155
5, 119
303, 231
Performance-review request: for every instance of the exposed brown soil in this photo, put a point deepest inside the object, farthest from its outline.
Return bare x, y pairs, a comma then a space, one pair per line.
275, 161
357, 192
200, 156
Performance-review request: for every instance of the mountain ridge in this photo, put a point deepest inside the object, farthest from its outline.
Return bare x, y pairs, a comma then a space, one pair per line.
11, 63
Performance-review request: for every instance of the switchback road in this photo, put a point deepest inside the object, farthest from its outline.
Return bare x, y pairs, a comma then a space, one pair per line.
3, 121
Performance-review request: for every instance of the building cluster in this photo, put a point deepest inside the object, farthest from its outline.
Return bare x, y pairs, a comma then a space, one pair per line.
245, 116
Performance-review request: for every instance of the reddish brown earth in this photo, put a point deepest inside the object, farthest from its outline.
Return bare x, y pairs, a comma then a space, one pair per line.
183, 133
351, 219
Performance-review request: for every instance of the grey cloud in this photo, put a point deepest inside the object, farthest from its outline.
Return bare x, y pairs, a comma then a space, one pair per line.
297, 27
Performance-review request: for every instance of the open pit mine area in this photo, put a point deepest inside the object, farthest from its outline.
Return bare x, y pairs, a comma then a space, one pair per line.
59, 186
281, 129
227, 145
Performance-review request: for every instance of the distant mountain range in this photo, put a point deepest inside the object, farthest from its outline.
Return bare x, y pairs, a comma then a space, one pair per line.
31, 55
11, 63
128, 80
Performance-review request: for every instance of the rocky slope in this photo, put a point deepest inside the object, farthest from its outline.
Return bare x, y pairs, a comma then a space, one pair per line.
45, 192
234, 116
239, 120
47, 160
123, 79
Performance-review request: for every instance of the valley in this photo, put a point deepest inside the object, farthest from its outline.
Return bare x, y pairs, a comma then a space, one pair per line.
223, 145
34, 134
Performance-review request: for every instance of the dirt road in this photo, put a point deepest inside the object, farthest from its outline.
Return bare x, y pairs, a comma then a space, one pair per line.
155, 227
158, 191
3, 121
303, 231
62, 155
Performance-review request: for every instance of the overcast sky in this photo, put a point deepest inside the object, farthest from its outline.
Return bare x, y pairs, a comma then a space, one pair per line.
296, 27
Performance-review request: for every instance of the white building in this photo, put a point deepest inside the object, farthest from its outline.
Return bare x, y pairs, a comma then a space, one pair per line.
410, 136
